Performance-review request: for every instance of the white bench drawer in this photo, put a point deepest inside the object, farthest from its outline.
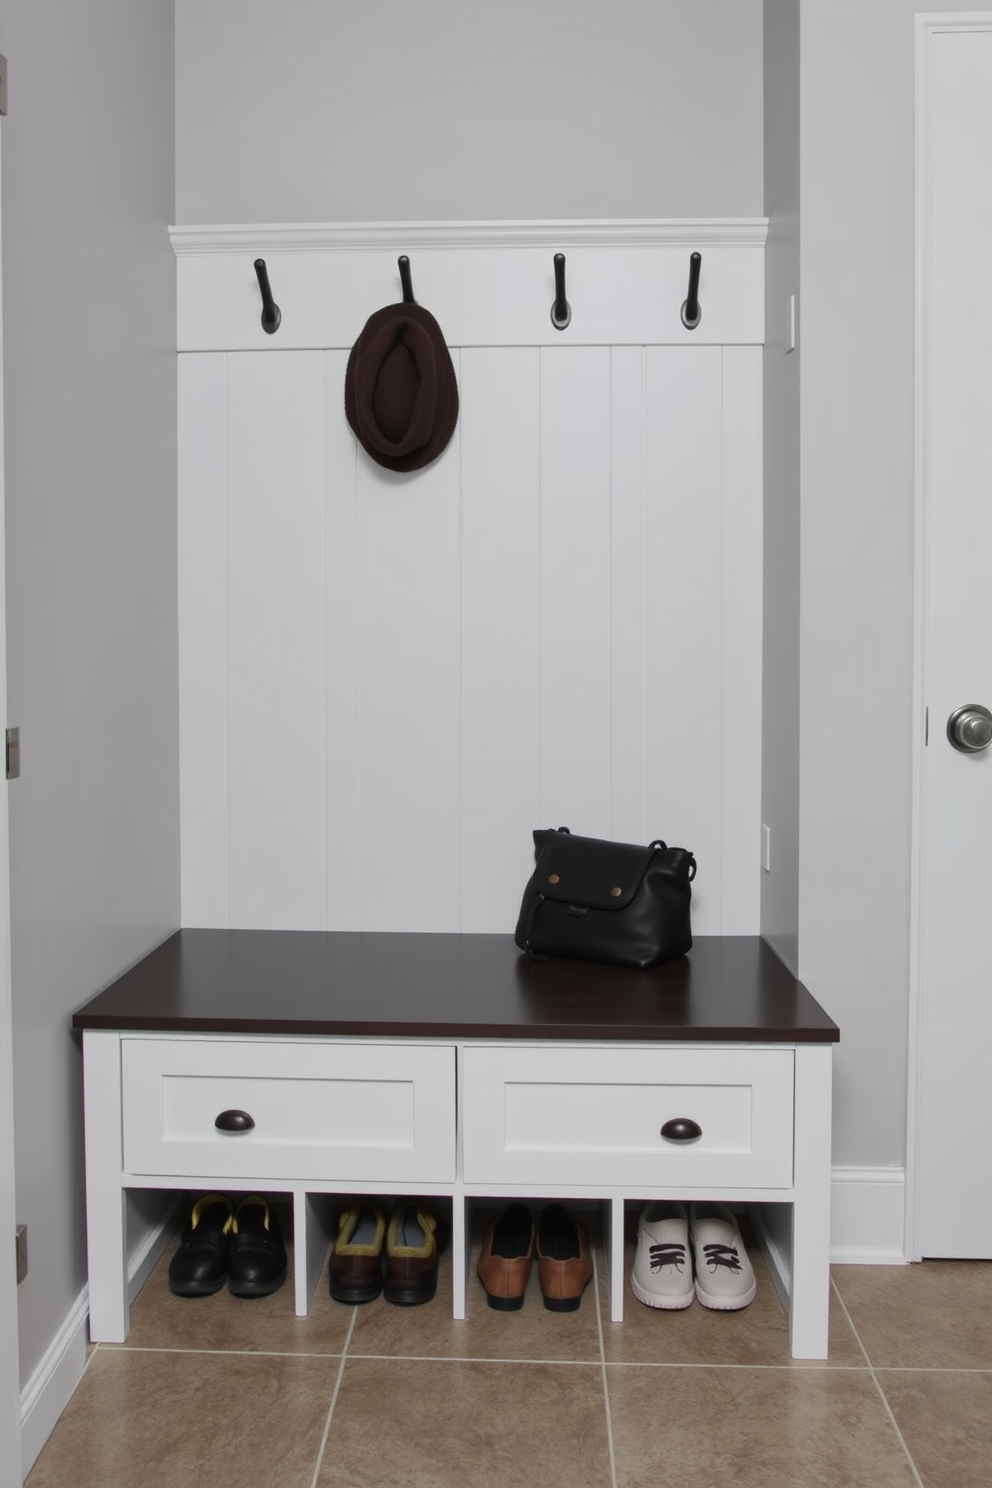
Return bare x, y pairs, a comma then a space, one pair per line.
593, 1116
321, 1111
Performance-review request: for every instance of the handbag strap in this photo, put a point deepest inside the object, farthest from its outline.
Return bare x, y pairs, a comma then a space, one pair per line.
687, 858
530, 926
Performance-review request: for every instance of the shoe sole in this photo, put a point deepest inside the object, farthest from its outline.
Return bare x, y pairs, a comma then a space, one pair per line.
563, 1304
504, 1304
727, 1304
654, 1299
356, 1293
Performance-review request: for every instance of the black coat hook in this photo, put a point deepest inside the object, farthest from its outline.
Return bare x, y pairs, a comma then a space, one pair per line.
691, 313
406, 279
561, 310
271, 314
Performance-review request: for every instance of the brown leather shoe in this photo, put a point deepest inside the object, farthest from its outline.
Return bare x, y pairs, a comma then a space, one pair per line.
355, 1271
504, 1261
413, 1247
564, 1265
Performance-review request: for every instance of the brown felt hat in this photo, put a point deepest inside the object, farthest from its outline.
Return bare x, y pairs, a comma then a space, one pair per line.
400, 394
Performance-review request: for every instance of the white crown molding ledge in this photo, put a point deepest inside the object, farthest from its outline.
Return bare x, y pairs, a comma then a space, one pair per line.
328, 237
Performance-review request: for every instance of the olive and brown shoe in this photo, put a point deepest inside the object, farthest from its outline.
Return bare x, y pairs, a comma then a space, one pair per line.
414, 1243
355, 1272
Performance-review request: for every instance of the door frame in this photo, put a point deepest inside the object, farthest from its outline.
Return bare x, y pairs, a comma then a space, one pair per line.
928, 25
10, 1388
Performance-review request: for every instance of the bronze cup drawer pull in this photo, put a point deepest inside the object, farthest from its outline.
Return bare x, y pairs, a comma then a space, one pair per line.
681, 1129
235, 1122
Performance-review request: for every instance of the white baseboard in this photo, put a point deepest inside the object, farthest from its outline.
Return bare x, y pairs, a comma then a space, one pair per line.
866, 1224
48, 1391
867, 1216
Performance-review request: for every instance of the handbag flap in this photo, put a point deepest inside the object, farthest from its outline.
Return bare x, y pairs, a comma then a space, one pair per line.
589, 871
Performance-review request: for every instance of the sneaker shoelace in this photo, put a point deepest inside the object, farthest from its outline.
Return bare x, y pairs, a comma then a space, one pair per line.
722, 1255
667, 1254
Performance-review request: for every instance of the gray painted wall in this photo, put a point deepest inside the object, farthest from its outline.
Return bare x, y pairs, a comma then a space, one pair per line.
297, 111
858, 265
780, 657
90, 408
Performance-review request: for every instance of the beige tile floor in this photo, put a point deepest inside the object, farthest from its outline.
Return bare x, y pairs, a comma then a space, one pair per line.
220, 1390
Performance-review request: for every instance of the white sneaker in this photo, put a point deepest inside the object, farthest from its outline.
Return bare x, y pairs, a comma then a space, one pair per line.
724, 1277
662, 1274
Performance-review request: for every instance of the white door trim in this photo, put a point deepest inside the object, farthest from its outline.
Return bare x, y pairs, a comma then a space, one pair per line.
10, 1391
927, 27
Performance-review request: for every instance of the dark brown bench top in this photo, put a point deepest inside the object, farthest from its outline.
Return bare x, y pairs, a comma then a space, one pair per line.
302, 982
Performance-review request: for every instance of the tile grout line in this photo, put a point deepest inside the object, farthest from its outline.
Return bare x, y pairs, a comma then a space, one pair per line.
334, 1400
88, 1361
479, 1359
933, 1369
878, 1386
811, 1366
604, 1375
850, 1321
591, 1363
226, 1353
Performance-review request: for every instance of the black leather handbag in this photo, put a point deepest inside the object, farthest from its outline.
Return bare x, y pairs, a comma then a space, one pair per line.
593, 900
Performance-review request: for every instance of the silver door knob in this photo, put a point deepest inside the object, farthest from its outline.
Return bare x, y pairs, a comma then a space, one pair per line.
969, 728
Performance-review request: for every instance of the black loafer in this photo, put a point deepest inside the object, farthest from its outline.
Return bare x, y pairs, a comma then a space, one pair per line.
257, 1264
199, 1266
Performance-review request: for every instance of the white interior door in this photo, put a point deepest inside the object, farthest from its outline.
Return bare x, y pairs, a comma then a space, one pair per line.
951, 1189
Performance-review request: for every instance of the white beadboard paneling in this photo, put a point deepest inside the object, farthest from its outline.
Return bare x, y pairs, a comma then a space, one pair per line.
203, 679
276, 645
627, 662
387, 681
741, 584
343, 660
683, 614
409, 537
575, 589
488, 284
500, 631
